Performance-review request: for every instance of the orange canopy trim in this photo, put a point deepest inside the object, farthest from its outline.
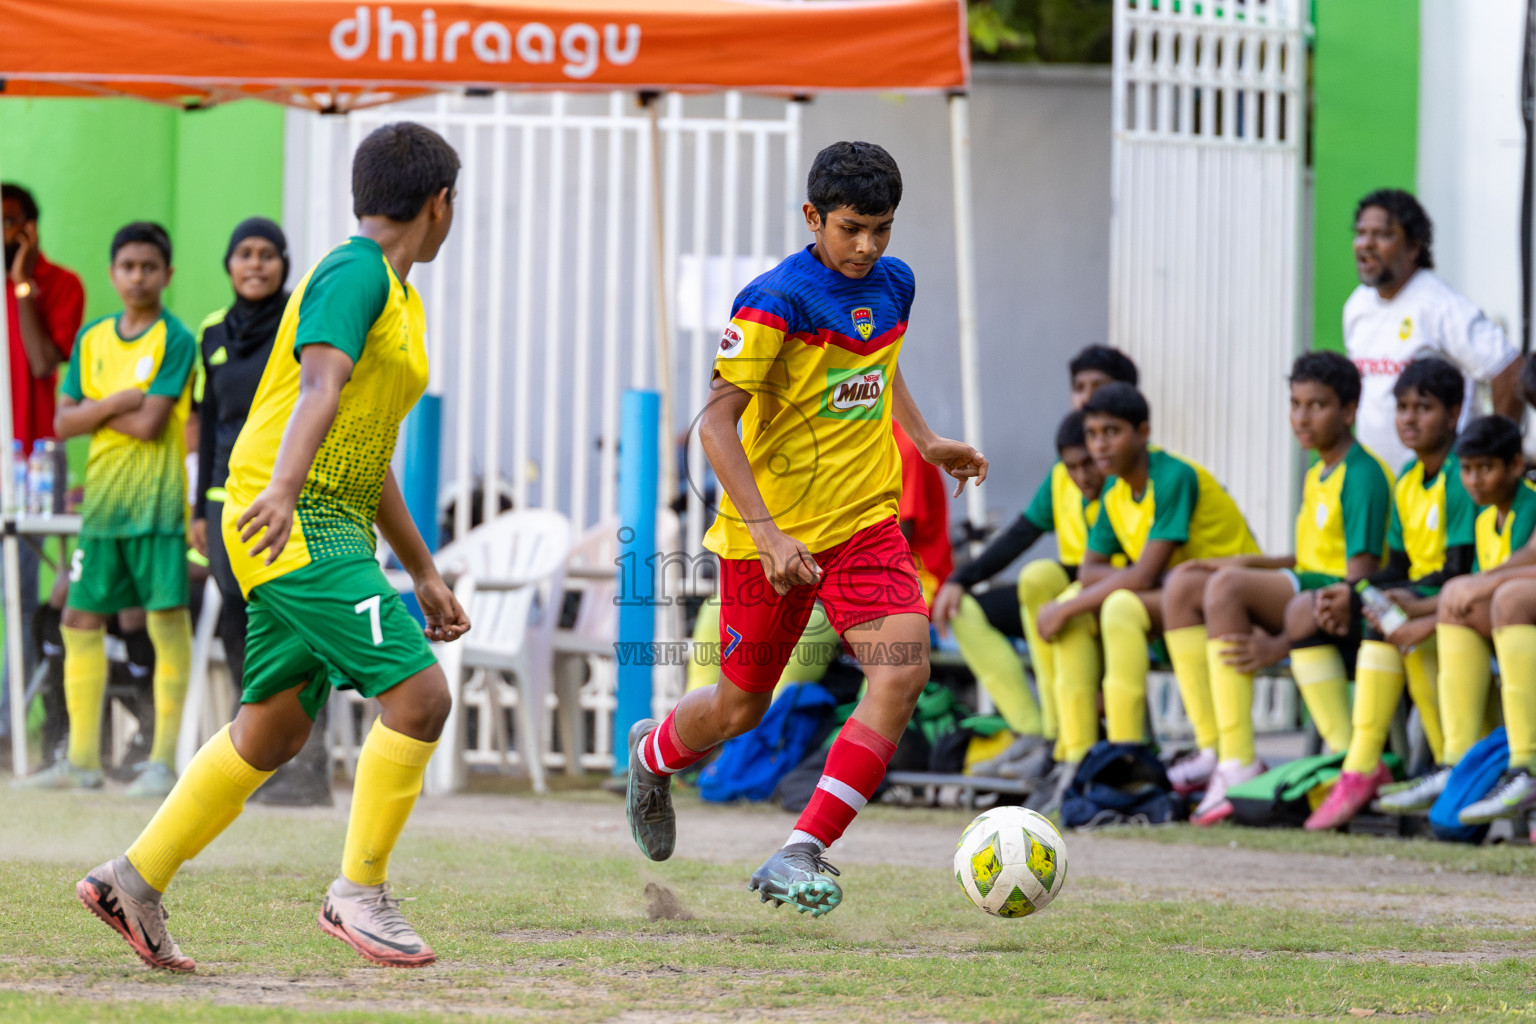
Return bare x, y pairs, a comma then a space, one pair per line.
298, 50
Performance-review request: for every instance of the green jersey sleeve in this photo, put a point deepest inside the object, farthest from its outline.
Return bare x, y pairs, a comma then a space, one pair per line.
1395, 531
1460, 512
1366, 501
1101, 537
1524, 511
1041, 511
176, 364
1176, 489
72, 375
345, 295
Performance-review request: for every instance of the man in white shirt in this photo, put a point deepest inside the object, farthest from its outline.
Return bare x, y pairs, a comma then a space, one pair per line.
1403, 311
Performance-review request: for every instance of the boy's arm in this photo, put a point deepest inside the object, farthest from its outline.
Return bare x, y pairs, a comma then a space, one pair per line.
1139, 577
323, 369
75, 417
786, 562
956, 458
445, 617
145, 422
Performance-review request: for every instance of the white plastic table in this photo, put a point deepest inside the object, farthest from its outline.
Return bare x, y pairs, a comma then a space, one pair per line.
19, 530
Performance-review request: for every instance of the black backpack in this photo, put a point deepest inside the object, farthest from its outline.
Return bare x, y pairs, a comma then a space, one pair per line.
1118, 783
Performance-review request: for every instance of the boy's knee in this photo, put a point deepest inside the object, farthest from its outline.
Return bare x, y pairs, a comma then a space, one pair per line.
1041, 580
1123, 610
1186, 588
1513, 604
431, 713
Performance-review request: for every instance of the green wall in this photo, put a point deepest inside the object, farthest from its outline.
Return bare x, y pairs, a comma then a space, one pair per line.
94, 165
1366, 93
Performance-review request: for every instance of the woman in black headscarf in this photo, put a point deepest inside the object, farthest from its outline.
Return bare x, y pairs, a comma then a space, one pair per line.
235, 345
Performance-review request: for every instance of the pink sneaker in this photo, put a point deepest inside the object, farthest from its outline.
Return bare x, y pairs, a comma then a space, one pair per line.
1215, 806
1191, 774
1349, 796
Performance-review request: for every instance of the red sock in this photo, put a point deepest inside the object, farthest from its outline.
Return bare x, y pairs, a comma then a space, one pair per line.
855, 768
663, 753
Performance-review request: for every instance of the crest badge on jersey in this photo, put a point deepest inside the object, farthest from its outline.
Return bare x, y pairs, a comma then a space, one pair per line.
1405, 329
730, 342
863, 321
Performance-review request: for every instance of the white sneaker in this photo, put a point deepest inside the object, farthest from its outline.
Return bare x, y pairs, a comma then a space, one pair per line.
1193, 773
1514, 796
155, 782
1416, 796
371, 923
140, 922
1215, 806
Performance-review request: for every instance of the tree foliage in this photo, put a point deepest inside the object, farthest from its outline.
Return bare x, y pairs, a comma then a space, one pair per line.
1042, 31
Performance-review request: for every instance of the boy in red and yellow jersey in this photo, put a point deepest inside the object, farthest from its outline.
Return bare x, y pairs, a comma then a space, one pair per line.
807, 369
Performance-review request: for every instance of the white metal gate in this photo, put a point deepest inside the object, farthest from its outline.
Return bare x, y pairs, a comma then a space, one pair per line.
1206, 231
541, 309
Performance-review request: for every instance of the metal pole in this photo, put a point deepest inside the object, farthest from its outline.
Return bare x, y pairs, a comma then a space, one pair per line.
637, 582
663, 281
965, 274
15, 629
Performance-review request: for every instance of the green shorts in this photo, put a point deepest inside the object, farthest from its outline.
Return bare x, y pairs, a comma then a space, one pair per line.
1304, 581
334, 623
108, 574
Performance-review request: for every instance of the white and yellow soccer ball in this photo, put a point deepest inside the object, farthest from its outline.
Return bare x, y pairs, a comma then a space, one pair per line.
1011, 861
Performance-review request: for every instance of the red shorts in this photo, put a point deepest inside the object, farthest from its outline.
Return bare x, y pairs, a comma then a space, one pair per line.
868, 576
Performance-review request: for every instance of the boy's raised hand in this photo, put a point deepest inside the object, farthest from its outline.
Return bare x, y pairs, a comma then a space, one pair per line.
959, 460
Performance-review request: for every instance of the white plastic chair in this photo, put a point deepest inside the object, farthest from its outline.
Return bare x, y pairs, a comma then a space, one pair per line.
586, 674
509, 575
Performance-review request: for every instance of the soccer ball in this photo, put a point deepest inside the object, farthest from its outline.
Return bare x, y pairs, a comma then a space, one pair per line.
1011, 862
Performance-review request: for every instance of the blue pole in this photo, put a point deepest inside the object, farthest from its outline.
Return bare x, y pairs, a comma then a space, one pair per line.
638, 451
423, 431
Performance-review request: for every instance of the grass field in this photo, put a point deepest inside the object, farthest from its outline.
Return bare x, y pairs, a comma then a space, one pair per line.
538, 910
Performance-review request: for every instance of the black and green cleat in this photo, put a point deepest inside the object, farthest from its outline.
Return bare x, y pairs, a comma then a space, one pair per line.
648, 800
798, 875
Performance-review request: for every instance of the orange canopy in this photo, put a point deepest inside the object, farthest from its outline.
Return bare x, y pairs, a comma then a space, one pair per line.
333, 54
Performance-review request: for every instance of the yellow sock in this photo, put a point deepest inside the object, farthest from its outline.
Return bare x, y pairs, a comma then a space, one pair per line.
1516, 646
389, 773
210, 794
171, 633
85, 689
992, 659
1186, 649
1041, 582
1319, 675
1464, 688
1232, 696
1378, 687
1077, 688
1124, 624
1422, 667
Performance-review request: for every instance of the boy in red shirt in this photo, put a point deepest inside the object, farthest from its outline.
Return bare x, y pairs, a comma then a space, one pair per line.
807, 370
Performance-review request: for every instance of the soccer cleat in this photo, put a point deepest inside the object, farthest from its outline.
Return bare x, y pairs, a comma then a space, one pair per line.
155, 782
1193, 773
140, 922
1413, 797
1032, 767
1350, 795
648, 800
373, 925
60, 775
1214, 806
795, 875
1514, 796
1048, 796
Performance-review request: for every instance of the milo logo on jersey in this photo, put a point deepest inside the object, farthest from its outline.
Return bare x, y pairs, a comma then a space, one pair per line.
855, 393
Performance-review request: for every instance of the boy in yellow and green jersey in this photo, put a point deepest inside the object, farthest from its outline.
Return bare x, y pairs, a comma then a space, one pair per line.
1429, 542
984, 625
127, 387
1159, 510
1497, 601
309, 480
1225, 618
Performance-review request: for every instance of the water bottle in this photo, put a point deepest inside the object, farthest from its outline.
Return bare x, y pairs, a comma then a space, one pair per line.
1390, 617
18, 505
40, 478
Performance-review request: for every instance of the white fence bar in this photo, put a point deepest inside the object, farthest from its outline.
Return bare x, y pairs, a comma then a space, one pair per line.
1205, 234
543, 307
